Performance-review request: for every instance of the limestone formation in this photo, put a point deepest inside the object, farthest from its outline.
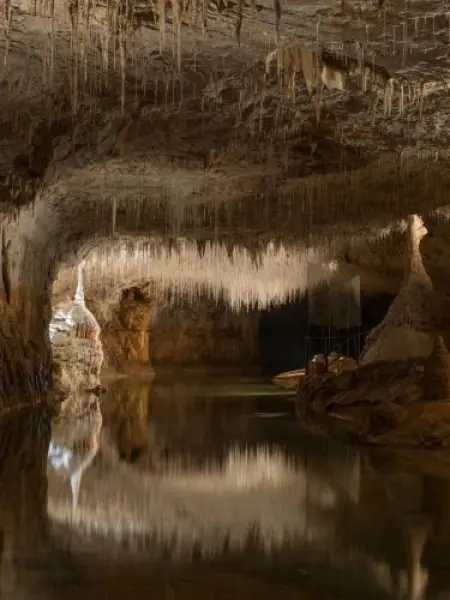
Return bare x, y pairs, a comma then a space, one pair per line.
399, 403
160, 122
407, 331
203, 332
76, 345
369, 386
436, 380
125, 336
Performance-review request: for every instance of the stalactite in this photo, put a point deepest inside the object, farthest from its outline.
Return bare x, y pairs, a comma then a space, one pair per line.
7, 18
277, 8
105, 43
6, 277
52, 41
122, 55
79, 292
240, 16
113, 216
74, 17
177, 11
267, 273
162, 24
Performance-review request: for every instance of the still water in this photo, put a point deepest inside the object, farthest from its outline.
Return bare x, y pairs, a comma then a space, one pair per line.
203, 486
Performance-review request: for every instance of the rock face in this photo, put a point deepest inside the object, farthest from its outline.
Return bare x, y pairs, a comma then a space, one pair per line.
398, 403
371, 385
203, 332
141, 329
125, 337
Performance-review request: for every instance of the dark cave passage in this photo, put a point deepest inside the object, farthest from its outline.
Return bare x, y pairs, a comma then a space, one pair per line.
287, 340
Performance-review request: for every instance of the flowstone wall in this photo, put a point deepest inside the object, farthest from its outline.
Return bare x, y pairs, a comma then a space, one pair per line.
203, 332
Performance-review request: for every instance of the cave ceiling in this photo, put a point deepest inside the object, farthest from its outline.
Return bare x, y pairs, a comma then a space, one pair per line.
193, 117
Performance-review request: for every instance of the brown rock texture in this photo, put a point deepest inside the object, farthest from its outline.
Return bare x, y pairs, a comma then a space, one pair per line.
125, 337
371, 385
401, 403
436, 380
203, 332
125, 411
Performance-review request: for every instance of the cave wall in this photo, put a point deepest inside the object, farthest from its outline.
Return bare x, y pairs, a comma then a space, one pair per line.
144, 329
27, 266
203, 332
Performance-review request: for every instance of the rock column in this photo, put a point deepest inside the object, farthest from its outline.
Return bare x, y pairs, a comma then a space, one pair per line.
126, 336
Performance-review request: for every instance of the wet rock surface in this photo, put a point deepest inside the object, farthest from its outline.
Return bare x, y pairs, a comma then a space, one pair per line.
381, 403
203, 332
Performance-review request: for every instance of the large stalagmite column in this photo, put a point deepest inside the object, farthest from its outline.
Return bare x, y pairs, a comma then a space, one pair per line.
409, 327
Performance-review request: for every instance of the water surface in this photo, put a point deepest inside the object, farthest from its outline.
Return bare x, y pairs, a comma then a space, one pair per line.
203, 486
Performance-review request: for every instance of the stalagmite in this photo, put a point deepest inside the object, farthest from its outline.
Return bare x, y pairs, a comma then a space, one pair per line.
74, 335
407, 329
79, 292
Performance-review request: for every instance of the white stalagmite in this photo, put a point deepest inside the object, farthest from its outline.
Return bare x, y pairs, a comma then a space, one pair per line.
407, 329
79, 292
77, 350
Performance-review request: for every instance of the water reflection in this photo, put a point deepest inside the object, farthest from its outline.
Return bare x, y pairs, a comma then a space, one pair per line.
74, 444
241, 507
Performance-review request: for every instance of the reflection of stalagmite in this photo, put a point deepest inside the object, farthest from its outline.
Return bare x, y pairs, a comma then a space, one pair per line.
414, 582
407, 329
74, 445
77, 474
